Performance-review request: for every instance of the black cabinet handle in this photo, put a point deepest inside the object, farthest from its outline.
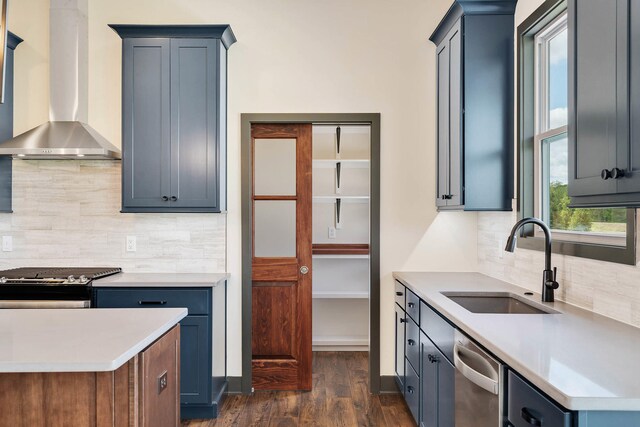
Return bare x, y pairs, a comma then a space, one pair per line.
165, 198
411, 342
431, 358
447, 196
338, 131
410, 389
152, 302
526, 415
399, 294
174, 198
403, 320
411, 304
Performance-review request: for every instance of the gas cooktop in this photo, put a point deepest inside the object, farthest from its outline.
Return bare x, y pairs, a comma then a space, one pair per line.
55, 275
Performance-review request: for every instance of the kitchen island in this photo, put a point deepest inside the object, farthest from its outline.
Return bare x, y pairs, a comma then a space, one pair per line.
98, 367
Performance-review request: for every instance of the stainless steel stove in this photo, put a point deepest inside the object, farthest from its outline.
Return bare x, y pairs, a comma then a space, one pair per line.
47, 287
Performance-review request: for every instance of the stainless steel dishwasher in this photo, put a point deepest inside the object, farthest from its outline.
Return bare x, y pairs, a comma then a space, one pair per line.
478, 390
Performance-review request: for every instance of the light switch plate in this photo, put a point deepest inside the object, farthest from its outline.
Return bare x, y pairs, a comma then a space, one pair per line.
7, 243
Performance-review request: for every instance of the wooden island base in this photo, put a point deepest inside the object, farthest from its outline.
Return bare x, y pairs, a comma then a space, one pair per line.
143, 392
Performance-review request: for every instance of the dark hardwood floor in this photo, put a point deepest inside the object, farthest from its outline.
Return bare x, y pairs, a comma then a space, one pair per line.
340, 397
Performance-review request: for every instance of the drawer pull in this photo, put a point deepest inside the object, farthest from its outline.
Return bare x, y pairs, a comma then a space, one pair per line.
403, 320
410, 389
411, 304
399, 293
152, 302
432, 358
526, 415
411, 342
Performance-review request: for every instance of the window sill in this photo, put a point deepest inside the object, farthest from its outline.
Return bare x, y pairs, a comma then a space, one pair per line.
609, 253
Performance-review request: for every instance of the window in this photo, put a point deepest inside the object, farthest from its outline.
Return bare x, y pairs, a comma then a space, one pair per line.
605, 233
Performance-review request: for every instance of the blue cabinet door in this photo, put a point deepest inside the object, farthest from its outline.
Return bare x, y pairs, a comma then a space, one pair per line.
195, 381
428, 383
446, 392
401, 321
194, 128
146, 149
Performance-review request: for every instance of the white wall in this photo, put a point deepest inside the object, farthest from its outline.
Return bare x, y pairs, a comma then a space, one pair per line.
294, 56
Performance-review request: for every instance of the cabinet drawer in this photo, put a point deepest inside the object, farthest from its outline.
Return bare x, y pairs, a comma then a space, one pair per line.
527, 406
412, 345
197, 301
438, 330
400, 294
412, 391
413, 306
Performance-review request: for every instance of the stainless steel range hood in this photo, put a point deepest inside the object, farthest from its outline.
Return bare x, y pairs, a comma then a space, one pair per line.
66, 135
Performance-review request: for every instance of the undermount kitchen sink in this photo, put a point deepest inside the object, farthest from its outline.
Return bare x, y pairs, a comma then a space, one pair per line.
497, 303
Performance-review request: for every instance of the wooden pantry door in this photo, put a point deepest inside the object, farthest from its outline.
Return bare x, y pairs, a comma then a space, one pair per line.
281, 273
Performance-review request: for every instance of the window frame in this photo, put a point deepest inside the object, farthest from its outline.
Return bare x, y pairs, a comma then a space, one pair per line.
530, 135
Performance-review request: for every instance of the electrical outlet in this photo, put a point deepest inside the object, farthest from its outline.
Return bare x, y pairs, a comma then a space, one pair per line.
131, 243
332, 232
7, 243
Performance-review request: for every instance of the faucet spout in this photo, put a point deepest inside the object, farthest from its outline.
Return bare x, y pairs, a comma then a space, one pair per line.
549, 282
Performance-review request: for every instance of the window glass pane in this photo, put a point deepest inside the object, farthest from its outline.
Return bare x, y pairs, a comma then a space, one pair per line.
274, 228
558, 75
608, 221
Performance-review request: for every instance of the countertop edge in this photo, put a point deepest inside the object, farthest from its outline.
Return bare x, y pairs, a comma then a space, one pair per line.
154, 280
573, 403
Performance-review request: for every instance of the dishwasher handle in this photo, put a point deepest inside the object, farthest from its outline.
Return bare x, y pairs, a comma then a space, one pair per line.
489, 384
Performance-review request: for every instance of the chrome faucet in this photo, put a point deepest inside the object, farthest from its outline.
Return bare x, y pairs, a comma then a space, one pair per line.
548, 276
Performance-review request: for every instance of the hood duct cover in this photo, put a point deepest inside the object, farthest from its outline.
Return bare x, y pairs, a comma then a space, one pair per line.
66, 135
60, 140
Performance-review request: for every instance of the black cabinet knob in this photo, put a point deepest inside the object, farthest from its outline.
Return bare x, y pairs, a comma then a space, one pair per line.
614, 173
165, 198
403, 320
526, 415
410, 389
431, 358
174, 198
447, 196
411, 305
399, 293
411, 342
617, 173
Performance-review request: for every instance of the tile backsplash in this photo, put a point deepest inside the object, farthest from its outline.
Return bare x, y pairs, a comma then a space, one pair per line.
67, 212
606, 288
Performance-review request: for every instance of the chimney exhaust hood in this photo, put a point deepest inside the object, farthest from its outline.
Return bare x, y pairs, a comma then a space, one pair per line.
66, 135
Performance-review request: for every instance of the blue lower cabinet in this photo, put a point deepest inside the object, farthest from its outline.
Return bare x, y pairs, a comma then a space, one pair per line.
194, 364
412, 391
527, 407
201, 392
401, 321
437, 382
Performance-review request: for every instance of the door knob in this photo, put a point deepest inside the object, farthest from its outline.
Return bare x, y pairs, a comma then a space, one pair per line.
304, 269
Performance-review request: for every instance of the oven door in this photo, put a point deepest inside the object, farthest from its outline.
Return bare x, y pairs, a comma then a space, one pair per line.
45, 304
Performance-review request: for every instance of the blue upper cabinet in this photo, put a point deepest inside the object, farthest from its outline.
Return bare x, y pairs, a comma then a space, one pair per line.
6, 124
474, 62
604, 105
174, 117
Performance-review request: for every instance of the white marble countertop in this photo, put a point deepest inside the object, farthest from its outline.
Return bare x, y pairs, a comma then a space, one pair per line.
581, 359
79, 340
162, 280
